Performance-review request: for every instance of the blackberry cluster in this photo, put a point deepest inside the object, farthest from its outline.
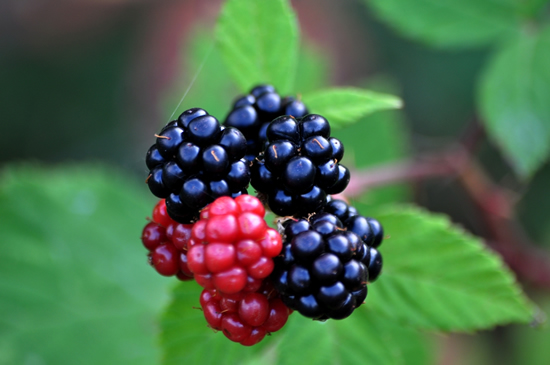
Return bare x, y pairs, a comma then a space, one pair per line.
322, 272
368, 229
252, 113
194, 161
299, 166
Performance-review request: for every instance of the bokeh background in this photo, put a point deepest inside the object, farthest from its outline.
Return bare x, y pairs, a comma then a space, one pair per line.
93, 80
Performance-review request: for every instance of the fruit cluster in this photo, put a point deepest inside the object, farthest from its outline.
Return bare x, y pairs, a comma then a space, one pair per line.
194, 161
208, 229
299, 166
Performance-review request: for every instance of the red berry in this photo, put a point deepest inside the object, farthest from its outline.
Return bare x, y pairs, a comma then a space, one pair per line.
251, 226
223, 206
261, 268
153, 235
196, 260
272, 243
160, 215
184, 266
256, 336
165, 259
248, 252
254, 309
234, 329
230, 302
230, 281
206, 281
198, 232
181, 236
278, 315
219, 256
213, 314
252, 285
248, 203
222, 228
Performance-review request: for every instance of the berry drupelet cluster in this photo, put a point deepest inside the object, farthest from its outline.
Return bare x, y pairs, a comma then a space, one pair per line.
322, 272
194, 161
300, 166
167, 240
252, 113
208, 229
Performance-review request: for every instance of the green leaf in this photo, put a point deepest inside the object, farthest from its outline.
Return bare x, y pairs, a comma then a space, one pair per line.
259, 42
377, 139
76, 286
363, 338
438, 277
514, 99
451, 23
344, 106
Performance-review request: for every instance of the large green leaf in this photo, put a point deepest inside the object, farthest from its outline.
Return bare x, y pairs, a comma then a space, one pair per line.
343, 106
363, 338
451, 23
514, 99
437, 277
76, 287
259, 42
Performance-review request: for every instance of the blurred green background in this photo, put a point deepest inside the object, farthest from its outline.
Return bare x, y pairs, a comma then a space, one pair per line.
93, 80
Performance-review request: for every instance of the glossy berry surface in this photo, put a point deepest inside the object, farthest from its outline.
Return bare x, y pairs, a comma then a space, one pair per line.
319, 272
245, 318
299, 166
195, 161
231, 246
167, 243
252, 114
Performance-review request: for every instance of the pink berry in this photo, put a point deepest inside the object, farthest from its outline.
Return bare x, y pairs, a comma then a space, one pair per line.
196, 260
248, 252
251, 226
222, 228
231, 281
219, 256
272, 243
261, 268
251, 204
223, 206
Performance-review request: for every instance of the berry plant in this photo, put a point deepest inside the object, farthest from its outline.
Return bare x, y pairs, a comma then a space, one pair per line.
277, 219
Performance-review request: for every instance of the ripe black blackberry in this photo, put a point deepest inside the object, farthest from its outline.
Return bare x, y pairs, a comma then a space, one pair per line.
194, 161
252, 113
299, 166
320, 273
368, 229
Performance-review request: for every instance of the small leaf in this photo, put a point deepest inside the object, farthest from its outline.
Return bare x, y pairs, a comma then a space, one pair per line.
451, 23
437, 277
259, 42
344, 106
514, 99
76, 286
